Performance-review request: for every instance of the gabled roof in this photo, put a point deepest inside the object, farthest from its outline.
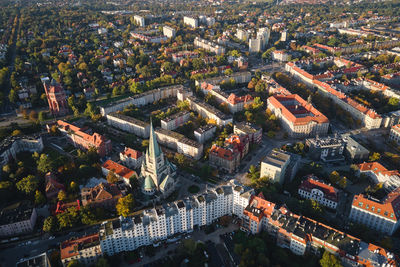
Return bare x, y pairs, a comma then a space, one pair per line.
118, 169
329, 191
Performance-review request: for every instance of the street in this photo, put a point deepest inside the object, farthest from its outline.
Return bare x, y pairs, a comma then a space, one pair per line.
10, 256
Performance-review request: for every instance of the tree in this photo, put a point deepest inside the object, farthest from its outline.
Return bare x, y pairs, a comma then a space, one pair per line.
74, 263
39, 198
112, 178
61, 196
329, 260
334, 177
16, 132
102, 262
50, 224
42, 116
125, 205
28, 184
33, 116
375, 156
44, 164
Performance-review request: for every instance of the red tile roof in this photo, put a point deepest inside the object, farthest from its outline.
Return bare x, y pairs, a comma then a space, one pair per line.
132, 153
71, 248
329, 191
396, 128
389, 207
290, 112
376, 168
118, 169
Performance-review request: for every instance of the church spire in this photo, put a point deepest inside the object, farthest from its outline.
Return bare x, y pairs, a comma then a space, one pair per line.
154, 149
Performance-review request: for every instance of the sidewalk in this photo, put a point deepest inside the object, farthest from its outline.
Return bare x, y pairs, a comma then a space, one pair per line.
197, 235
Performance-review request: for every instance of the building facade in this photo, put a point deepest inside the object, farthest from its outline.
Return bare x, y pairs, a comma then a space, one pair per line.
176, 120
205, 133
192, 22
160, 223
169, 31
298, 117
131, 158
395, 133
180, 143
122, 172
56, 97
129, 124
79, 138
103, 195
139, 20
380, 215
17, 219
11, 146
86, 250
390, 180
324, 194
274, 166
253, 131
326, 149
207, 111
209, 46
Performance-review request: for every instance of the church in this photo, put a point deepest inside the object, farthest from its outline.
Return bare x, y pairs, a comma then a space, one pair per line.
158, 175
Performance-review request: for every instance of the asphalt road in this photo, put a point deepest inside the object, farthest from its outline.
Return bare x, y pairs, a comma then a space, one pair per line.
10, 256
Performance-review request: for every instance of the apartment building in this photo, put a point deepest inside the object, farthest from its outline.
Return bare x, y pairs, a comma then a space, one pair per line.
368, 117
153, 225
240, 77
326, 149
303, 235
122, 172
274, 166
253, 131
395, 133
81, 139
178, 56
255, 45
192, 22
380, 215
41, 260
169, 31
209, 46
207, 111
390, 180
367, 84
86, 250
131, 158
242, 34
139, 20
229, 156
148, 97
235, 103
176, 120
299, 234
299, 118
16, 219
149, 38
129, 124
280, 56
205, 133
180, 143
324, 194
11, 146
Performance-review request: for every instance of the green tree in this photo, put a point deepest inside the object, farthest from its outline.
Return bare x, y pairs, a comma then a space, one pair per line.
42, 116
50, 224
75, 263
28, 184
102, 262
61, 196
125, 205
39, 198
44, 164
329, 260
375, 156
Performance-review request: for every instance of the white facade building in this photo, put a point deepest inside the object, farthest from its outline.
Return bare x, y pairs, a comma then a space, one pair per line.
139, 20
160, 223
192, 22
395, 133
129, 124
324, 194
209, 46
169, 31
